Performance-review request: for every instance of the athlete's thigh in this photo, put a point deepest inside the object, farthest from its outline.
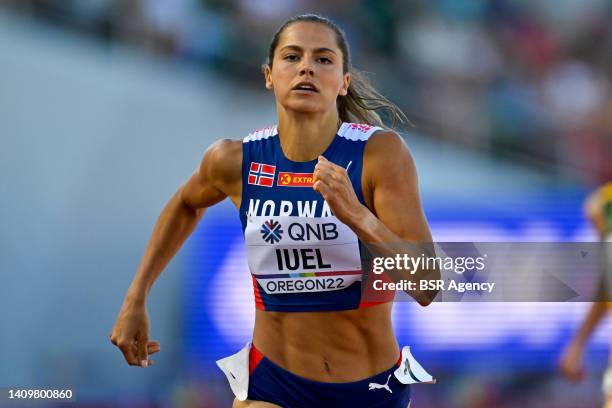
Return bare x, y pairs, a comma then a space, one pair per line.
608, 402
253, 404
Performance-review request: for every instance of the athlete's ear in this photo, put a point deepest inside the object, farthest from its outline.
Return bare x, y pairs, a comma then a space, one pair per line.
268, 75
346, 82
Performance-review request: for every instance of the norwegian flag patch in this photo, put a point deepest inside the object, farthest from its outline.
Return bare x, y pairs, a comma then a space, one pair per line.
261, 174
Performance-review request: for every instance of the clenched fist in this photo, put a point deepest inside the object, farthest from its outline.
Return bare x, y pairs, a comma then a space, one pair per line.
333, 183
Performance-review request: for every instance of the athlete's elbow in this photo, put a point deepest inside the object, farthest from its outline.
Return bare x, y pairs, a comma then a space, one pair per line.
433, 285
426, 298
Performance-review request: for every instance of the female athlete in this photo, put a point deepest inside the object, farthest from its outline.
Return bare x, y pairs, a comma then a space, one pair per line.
309, 191
598, 209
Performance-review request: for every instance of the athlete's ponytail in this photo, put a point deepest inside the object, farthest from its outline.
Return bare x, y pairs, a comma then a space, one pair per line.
363, 101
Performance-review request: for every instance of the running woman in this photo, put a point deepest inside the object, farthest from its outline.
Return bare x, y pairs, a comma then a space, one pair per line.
598, 209
309, 191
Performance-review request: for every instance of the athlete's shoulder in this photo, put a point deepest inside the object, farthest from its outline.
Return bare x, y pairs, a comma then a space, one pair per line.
261, 134
386, 142
224, 150
217, 176
223, 160
386, 156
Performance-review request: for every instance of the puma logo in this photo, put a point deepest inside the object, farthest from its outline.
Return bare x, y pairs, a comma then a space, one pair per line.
374, 386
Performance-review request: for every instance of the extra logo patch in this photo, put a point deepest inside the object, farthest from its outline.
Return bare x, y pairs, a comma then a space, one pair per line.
271, 231
261, 174
287, 179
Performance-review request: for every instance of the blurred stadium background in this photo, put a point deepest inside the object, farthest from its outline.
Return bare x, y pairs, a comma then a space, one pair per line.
106, 107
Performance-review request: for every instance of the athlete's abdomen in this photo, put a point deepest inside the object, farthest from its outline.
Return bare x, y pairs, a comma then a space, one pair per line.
336, 346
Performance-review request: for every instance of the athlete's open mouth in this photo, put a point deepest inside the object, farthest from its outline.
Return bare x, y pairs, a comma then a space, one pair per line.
305, 86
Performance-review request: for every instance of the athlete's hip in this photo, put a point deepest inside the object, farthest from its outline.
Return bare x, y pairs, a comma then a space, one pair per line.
272, 383
253, 376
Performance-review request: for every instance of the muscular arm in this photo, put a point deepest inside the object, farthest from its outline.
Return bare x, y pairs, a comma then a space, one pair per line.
393, 221
594, 210
218, 176
391, 184
391, 190
570, 362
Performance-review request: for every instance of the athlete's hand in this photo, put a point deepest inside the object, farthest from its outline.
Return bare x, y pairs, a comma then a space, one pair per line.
570, 363
333, 183
131, 334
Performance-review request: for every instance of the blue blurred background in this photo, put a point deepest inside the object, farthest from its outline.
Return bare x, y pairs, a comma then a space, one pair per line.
107, 106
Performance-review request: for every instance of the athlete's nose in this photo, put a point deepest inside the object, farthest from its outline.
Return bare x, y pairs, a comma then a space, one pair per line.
307, 67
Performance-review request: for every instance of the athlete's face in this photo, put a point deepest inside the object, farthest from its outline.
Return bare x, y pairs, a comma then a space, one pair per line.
306, 73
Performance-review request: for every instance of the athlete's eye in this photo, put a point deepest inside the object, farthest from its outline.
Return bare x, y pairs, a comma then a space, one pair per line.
325, 60
291, 57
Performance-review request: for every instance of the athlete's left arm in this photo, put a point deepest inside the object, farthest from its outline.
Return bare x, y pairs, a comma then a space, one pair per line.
390, 188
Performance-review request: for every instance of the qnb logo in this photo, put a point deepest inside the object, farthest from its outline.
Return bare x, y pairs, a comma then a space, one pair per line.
271, 231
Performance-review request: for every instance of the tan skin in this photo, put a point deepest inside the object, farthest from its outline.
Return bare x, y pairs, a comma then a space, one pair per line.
571, 360
346, 345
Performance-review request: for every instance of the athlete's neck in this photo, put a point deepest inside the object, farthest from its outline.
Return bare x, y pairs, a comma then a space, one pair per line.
304, 138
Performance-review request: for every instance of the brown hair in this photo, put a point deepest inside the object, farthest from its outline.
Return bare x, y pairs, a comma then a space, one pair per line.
363, 101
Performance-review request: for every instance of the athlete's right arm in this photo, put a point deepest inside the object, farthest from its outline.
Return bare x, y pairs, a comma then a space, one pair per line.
218, 176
